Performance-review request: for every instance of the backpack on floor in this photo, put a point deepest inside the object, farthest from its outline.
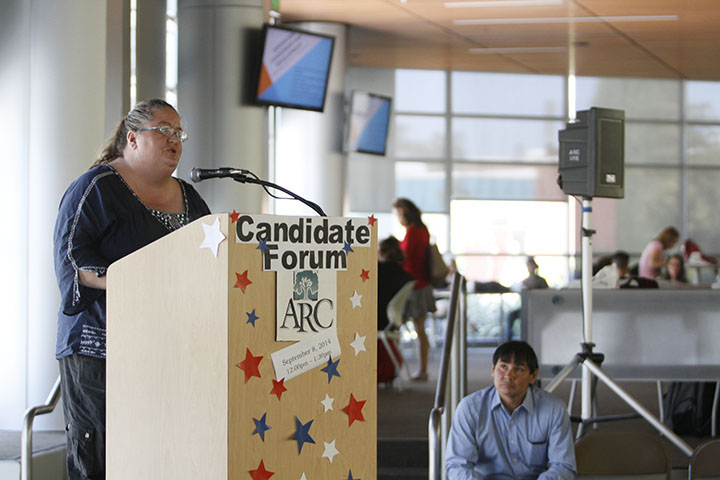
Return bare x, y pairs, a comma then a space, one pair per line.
688, 407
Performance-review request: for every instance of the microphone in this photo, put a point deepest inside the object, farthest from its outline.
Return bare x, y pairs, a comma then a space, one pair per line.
200, 174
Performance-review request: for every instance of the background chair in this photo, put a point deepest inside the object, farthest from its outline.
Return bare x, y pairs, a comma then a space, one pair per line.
705, 461
623, 455
395, 321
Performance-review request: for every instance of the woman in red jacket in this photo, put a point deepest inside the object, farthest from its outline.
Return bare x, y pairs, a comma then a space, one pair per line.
421, 300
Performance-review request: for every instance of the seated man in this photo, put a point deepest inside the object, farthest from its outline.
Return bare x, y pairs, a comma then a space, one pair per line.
511, 429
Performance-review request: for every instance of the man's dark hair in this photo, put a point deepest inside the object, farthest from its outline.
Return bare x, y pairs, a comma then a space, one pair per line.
621, 259
517, 352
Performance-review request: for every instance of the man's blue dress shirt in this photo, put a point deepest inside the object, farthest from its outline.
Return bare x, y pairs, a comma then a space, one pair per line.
487, 442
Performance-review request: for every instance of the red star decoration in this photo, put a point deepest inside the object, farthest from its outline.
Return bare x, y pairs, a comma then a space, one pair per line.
365, 275
354, 410
250, 365
242, 280
372, 220
234, 216
278, 388
260, 473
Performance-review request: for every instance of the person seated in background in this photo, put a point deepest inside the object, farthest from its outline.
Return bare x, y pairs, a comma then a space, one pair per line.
614, 274
533, 280
600, 263
619, 275
674, 272
511, 429
652, 259
621, 262
391, 276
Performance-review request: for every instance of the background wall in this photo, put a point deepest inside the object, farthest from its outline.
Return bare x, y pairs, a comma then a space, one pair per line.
52, 112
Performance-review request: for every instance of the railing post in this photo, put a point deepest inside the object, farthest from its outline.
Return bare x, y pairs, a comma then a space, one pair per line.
437, 425
26, 434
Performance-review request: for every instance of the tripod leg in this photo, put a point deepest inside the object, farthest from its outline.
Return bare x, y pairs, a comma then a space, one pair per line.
594, 400
713, 416
661, 408
585, 400
588, 364
562, 375
571, 400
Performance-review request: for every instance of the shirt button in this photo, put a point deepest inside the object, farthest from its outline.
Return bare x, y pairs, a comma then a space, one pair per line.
87, 435
512, 422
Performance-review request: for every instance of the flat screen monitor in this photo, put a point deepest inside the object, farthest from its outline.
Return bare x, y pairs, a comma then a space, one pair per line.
295, 68
368, 124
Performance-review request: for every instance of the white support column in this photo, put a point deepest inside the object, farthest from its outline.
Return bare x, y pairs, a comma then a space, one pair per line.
53, 108
14, 125
310, 161
117, 81
150, 50
218, 49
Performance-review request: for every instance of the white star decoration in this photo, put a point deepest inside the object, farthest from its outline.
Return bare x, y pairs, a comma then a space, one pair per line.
330, 450
328, 402
213, 236
303, 477
355, 299
358, 344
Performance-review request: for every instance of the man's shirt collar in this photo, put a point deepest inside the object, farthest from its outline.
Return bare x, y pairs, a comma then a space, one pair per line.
528, 402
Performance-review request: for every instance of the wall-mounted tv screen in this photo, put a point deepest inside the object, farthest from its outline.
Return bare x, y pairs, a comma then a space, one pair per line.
295, 68
368, 124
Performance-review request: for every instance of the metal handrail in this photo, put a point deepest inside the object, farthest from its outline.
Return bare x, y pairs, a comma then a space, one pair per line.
26, 434
439, 408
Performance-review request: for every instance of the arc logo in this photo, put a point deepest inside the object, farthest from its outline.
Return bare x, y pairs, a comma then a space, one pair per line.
308, 307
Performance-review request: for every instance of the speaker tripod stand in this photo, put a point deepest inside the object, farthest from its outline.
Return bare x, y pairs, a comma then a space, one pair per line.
589, 360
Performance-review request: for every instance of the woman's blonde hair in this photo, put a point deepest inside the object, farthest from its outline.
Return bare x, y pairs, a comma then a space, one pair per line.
668, 237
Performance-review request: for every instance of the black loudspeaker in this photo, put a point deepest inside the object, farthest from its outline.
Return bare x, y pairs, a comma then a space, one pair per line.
592, 154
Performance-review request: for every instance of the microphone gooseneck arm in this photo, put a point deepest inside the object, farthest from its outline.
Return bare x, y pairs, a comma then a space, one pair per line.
244, 178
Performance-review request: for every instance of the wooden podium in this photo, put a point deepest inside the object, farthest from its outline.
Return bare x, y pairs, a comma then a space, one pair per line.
192, 388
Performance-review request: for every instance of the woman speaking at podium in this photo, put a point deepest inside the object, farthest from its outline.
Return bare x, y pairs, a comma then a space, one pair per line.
126, 200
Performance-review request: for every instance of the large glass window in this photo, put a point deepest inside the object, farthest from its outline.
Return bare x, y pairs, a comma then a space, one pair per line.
639, 98
652, 202
468, 163
702, 101
703, 200
420, 91
652, 143
507, 94
503, 139
423, 183
495, 231
419, 137
703, 145
505, 182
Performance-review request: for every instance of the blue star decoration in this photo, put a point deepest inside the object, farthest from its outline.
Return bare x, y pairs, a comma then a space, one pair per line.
348, 248
350, 477
261, 427
251, 317
262, 246
302, 433
331, 369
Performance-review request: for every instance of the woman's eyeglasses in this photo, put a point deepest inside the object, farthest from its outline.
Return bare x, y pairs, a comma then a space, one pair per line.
168, 131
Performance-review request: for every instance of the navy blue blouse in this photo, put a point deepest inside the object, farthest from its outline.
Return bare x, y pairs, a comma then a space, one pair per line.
100, 220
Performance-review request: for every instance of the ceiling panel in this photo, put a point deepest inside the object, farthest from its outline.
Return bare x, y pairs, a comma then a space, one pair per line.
667, 38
